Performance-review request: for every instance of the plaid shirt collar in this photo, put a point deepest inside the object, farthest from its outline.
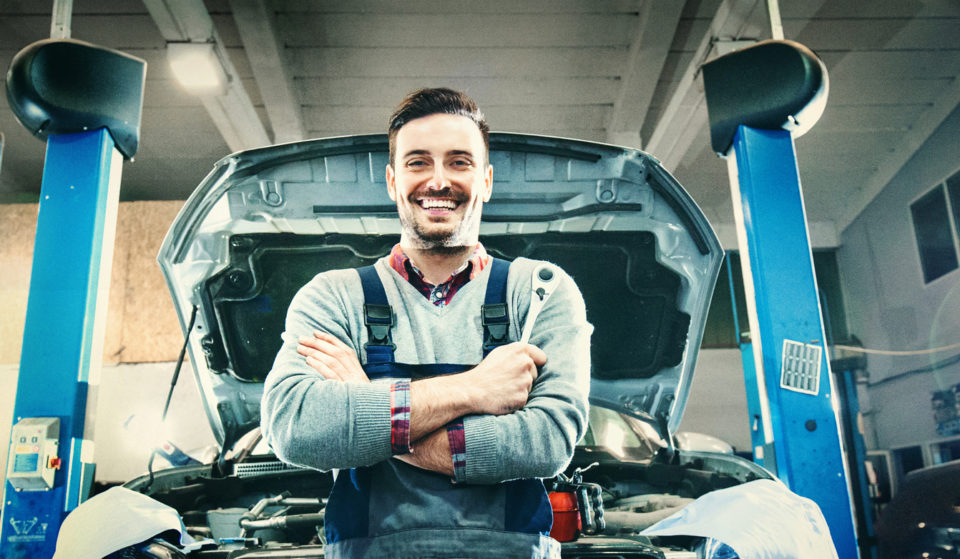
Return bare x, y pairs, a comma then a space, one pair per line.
442, 293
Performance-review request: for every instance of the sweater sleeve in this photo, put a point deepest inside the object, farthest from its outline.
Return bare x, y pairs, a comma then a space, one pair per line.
312, 422
538, 441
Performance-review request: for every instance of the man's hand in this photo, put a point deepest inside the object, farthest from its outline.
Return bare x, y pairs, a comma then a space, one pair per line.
331, 358
499, 385
502, 381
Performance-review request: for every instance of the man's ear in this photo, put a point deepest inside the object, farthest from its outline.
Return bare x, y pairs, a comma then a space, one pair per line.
488, 184
391, 183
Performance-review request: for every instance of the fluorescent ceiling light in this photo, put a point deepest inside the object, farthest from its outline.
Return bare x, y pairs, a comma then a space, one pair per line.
197, 68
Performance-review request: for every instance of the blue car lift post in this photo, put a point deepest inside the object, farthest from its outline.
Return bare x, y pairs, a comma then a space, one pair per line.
66, 306
757, 99
845, 374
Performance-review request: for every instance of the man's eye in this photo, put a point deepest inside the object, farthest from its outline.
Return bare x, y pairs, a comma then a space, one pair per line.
416, 163
461, 163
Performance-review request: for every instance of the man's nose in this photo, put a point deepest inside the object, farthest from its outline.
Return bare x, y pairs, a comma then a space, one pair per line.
439, 178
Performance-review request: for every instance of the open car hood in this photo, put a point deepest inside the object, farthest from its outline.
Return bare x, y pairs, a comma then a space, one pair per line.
265, 221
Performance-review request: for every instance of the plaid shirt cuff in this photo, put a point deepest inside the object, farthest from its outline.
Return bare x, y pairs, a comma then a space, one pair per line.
458, 450
400, 417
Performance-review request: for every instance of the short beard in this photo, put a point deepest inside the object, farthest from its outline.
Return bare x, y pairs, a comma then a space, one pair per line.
463, 237
444, 245
447, 250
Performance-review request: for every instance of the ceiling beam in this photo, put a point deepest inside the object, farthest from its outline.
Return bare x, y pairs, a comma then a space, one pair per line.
258, 31
648, 52
231, 110
920, 131
686, 112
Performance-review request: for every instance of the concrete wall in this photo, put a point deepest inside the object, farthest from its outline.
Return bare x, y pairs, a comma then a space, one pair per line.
141, 323
8, 389
718, 399
141, 328
890, 307
126, 390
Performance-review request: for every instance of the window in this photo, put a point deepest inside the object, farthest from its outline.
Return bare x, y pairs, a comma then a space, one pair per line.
908, 459
827, 270
936, 217
945, 451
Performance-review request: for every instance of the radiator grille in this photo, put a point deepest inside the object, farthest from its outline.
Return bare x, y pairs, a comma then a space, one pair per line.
254, 469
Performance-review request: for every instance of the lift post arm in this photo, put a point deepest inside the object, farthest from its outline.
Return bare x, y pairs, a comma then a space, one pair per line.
85, 100
759, 99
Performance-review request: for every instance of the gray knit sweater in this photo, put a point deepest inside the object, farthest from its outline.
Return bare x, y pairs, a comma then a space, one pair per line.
326, 425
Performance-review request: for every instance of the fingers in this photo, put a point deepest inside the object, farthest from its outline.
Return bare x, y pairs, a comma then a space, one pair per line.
328, 366
327, 345
325, 342
537, 354
331, 357
333, 340
323, 369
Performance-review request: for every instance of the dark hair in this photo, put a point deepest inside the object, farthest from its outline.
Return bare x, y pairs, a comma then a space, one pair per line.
431, 101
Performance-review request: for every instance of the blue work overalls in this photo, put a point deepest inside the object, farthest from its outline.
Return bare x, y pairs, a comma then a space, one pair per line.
392, 496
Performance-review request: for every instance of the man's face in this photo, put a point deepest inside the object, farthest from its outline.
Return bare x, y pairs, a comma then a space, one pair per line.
440, 180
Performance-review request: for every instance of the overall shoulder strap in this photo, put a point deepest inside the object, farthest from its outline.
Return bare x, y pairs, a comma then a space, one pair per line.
377, 316
496, 322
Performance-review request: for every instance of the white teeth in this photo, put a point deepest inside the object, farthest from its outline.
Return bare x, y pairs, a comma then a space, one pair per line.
436, 203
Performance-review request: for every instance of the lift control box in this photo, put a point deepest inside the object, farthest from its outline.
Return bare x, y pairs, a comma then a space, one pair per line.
33, 460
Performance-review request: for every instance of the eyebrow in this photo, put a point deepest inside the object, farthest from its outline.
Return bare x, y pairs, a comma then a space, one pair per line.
416, 152
460, 152
447, 154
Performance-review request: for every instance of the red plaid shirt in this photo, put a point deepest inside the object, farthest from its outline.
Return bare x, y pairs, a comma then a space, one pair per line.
442, 293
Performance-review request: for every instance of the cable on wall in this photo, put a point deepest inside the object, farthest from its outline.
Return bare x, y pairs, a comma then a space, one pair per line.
856, 349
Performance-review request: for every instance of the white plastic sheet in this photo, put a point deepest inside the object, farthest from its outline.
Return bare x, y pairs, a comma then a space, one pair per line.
760, 520
113, 520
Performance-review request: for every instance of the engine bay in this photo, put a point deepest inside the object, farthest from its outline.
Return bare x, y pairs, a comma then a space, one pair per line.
264, 508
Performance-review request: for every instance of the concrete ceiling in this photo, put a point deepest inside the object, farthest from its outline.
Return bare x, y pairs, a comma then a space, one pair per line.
619, 71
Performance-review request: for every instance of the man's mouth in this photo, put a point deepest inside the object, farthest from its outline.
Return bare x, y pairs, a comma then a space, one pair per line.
440, 204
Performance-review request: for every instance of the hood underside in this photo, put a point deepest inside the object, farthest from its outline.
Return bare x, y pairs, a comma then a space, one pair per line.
266, 221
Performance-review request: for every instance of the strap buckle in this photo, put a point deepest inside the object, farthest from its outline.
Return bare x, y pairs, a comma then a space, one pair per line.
495, 324
378, 319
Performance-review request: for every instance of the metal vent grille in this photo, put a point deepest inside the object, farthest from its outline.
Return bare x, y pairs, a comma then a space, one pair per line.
801, 367
254, 469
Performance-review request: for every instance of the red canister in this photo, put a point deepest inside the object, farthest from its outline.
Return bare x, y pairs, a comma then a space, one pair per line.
566, 516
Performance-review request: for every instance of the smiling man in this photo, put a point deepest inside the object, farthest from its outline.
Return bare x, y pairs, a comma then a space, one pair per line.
407, 375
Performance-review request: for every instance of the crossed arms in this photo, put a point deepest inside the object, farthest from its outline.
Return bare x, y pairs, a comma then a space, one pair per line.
499, 385
523, 407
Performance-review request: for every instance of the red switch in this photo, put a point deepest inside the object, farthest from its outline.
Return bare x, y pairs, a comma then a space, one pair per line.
54, 462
